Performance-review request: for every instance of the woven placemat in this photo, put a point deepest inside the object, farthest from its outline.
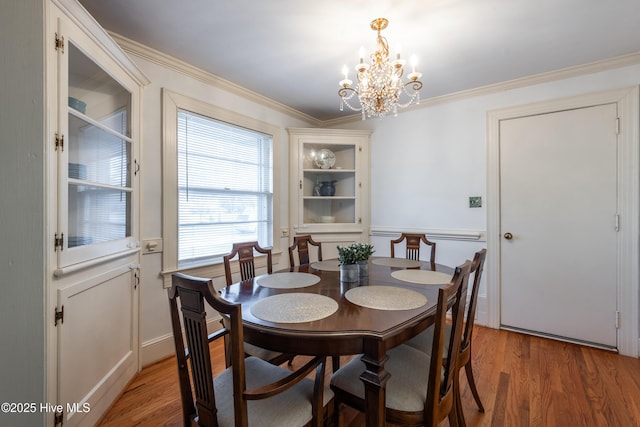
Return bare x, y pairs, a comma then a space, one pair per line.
397, 262
287, 280
328, 265
423, 277
294, 308
385, 297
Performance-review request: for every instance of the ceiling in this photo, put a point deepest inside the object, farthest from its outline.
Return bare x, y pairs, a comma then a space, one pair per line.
292, 51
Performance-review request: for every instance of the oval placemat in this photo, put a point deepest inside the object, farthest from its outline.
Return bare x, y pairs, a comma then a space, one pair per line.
397, 262
423, 277
294, 308
287, 280
385, 298
328, 265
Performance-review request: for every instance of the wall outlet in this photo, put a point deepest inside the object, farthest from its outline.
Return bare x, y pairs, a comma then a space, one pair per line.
475, 202
284, 232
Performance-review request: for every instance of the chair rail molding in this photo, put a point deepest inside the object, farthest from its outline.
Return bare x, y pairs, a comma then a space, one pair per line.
437, 234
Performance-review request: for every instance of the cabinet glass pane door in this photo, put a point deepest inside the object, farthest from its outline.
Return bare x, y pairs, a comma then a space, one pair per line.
328, 189
99, 185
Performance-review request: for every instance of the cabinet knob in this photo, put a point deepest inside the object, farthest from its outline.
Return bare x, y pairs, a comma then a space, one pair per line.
301, 184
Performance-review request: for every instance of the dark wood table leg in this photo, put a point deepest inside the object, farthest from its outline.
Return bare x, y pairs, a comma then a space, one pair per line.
375, 378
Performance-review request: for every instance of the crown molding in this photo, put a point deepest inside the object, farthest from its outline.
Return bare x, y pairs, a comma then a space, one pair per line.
144, 52
563, 73
137, 49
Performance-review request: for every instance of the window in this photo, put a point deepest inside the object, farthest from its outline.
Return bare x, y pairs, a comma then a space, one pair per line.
225, 187
220, 182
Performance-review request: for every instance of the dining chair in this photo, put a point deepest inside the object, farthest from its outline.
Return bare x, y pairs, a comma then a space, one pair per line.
423, 341
244, 252
419, 391
249, 392
246, 260
413, 241
301, 243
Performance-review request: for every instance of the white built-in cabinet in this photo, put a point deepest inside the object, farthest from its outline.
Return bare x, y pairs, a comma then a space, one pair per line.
329, 186
93, 94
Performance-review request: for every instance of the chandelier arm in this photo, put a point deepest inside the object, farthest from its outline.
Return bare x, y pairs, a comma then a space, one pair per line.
347, 92
414, 98
416, 85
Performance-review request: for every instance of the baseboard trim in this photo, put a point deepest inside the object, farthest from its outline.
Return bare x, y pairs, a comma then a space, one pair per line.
482, 313
161, 347
558, 338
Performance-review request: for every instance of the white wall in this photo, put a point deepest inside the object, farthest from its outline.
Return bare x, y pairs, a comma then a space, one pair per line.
425, 164
155, 323
22, 215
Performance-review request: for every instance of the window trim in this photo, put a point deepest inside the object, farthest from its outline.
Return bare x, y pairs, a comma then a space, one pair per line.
171, 103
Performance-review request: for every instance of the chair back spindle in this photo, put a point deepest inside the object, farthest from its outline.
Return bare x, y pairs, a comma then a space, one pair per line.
246, 260
477, 266
413, 242
301, 243
440, 395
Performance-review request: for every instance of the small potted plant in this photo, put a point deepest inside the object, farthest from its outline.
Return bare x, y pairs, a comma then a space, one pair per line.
348, 258
363, 252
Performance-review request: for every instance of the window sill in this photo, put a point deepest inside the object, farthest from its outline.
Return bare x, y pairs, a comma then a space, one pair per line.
215, 268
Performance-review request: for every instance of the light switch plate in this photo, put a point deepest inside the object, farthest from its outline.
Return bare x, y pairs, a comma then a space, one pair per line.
151, 246
475, 202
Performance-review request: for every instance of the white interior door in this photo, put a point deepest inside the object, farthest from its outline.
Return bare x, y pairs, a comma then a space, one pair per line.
558, 192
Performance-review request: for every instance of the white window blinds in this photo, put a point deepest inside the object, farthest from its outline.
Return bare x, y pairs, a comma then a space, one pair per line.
225, 187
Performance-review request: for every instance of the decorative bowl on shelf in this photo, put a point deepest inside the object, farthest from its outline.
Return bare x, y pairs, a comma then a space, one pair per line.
325, 159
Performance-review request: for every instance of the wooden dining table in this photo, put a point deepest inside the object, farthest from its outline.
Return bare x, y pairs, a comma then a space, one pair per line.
330, 323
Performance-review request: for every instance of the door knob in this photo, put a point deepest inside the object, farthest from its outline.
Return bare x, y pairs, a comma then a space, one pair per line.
508, 236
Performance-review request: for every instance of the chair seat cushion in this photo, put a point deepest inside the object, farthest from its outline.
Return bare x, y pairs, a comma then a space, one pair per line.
290, 408
424, 340
406, 389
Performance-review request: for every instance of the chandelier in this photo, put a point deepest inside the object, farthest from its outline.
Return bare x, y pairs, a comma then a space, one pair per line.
380, 86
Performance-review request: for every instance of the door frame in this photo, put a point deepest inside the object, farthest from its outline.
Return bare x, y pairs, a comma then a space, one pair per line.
628, 102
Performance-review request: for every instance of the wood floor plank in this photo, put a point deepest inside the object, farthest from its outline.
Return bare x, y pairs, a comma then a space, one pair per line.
573, 381
517, 363
614, 409
498, 417
522, 380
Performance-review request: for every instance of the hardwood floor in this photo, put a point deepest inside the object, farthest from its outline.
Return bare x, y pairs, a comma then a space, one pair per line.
522, 381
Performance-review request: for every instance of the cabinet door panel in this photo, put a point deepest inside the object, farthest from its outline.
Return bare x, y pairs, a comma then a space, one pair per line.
96, 183
97, 342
